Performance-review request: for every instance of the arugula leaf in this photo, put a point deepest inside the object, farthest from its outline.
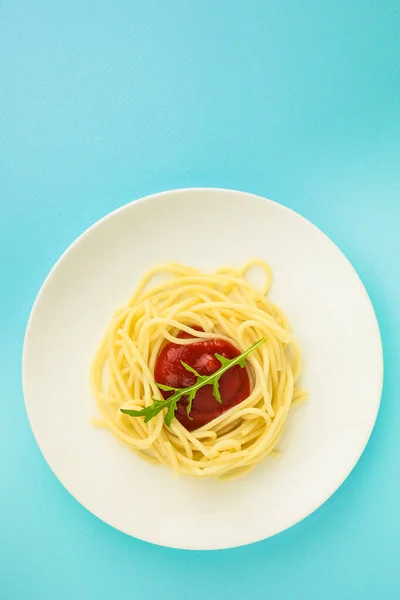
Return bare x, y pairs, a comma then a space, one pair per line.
216, 392
150, 411
190, 396
171, 403
166, 388
189, 368
225, 361
171, 409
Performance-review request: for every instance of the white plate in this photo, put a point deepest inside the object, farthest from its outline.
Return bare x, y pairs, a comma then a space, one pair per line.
333, 322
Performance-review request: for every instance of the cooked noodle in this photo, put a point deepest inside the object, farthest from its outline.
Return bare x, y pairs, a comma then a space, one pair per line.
223, 305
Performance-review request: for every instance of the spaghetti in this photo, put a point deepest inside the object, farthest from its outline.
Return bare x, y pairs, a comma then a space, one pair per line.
175, 299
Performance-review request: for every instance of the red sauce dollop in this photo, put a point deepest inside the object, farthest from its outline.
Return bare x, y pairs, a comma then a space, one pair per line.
234, 385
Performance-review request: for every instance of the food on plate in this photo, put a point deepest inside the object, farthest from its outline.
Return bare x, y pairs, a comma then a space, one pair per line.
198, 371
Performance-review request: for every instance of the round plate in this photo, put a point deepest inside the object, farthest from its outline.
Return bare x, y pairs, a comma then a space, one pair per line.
333, 322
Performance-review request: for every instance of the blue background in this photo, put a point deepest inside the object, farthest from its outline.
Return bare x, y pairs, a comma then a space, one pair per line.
102, 102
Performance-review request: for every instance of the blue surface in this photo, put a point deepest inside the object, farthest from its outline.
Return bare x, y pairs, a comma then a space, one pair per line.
103, 102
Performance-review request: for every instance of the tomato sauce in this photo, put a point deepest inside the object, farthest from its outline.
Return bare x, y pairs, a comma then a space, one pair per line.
234, 385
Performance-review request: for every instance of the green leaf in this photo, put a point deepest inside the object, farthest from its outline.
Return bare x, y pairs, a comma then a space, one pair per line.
158, 405
166, 388
149, 411
171, 409
191, 396
189, 368
223, 360
242, 362
216, 392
